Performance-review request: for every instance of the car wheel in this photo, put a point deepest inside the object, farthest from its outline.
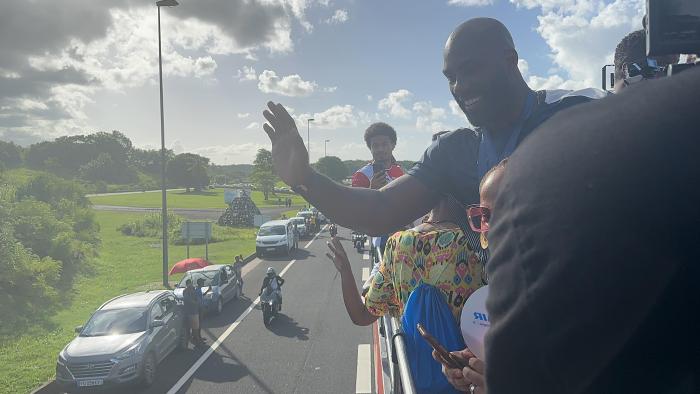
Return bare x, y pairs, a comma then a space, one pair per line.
148, 374
219, 306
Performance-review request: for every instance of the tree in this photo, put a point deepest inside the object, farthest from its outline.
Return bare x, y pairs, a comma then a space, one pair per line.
263, 175
332, 167
188, 170
10, 155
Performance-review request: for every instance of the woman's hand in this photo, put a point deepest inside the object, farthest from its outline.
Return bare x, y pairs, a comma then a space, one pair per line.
339, 257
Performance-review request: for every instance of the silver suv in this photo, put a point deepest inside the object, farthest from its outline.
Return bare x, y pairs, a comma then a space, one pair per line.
123, 342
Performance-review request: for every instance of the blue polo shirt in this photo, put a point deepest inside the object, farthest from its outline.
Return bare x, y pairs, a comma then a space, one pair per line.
450, 166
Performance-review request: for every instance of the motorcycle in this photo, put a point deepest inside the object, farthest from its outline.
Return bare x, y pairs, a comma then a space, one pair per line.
358, 241
270, 305
333, 230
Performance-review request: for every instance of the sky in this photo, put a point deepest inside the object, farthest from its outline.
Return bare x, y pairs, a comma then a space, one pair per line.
79, 67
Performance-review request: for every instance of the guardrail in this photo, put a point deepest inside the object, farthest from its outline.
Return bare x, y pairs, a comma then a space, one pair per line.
397, 368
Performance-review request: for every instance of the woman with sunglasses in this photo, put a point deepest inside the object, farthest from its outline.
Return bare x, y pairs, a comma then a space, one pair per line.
435, 252
471, 379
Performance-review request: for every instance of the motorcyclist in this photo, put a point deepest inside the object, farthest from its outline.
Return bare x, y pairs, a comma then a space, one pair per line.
333, 230
275, 282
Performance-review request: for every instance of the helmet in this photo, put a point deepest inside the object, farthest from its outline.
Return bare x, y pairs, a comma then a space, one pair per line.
270, 271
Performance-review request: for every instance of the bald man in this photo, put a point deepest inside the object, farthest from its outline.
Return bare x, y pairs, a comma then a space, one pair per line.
481, 66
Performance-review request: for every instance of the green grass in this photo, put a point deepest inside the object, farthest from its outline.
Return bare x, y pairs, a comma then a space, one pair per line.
212, 198
126, 264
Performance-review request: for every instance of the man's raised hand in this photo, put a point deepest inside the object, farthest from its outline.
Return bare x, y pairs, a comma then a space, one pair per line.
289, 155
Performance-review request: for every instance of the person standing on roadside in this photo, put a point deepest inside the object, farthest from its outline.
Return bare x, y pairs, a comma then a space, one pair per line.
191, 306
237, 267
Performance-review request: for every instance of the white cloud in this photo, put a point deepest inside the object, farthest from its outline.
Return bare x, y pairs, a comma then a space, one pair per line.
428, 117
523, 66
330, 89
335, 117
340, 16
246, 74
394, 103
243, 115
370, 98
253, 126
470, 3
455, 110
582, 36
290, 85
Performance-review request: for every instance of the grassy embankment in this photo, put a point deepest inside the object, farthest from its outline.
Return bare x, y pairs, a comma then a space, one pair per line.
213, 198
125, 264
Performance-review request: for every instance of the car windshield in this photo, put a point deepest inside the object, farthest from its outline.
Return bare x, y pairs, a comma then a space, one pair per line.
298, 220
207, 276
305, 214
271, 230
115, 322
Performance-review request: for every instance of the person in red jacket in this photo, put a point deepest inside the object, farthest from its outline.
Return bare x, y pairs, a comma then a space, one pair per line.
381, 141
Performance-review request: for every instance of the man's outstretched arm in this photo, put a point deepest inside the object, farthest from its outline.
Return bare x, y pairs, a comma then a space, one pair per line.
372, 211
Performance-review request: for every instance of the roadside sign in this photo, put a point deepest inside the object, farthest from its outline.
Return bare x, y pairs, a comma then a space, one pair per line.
196, 230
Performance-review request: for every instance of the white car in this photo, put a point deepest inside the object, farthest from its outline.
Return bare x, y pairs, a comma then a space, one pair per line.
300, 222
276, 236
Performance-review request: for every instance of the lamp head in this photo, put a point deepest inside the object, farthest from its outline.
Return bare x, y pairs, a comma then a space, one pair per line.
166, 3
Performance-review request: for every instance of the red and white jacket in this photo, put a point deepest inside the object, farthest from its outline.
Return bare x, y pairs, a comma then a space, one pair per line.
362, 177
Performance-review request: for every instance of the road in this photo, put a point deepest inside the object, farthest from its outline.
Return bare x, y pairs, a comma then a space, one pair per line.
312, 347
212, 214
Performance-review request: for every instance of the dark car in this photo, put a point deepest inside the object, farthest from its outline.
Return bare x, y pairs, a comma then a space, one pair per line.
123, 342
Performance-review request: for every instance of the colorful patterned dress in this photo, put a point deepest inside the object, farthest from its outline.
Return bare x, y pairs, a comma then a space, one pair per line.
438, 257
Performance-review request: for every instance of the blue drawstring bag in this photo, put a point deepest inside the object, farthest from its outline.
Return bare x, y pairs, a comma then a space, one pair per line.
426, 305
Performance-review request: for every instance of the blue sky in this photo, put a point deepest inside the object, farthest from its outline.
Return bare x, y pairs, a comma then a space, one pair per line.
345, 63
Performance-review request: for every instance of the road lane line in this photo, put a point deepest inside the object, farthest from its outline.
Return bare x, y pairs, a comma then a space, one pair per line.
315, 236
365, 274
363, 382
219, 341
230, 329
365, 256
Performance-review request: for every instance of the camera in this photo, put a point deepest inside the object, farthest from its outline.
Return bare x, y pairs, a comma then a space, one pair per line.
672, 27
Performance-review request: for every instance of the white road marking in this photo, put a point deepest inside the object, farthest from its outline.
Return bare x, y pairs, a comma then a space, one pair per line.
363, 382
233, 325
365, 256
315, 236
365, 274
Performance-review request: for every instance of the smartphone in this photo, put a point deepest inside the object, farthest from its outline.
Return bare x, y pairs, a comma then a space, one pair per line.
451, 360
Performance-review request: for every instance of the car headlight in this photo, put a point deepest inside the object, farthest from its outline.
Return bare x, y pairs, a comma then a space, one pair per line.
131, 352
62, 357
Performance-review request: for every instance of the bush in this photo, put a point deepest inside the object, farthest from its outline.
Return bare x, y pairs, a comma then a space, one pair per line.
48, 235
151, 226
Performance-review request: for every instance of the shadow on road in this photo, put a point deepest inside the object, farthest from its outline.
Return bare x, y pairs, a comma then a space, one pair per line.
299, 254
285, 326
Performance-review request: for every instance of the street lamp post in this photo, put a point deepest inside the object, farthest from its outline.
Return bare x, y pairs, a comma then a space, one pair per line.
163, 3
325, 148
308, 144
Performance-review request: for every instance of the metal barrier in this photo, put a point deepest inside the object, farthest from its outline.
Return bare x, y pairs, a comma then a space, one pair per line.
396, 366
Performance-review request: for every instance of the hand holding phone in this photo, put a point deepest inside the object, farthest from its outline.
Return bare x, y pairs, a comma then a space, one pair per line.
449, 359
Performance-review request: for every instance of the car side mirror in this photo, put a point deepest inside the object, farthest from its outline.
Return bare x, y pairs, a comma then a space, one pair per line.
78, 329
157, 323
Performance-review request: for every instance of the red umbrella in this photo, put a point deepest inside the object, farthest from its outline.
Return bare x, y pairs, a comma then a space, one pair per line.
188, 265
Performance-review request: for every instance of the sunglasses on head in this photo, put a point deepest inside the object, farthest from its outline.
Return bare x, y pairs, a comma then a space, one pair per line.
479, 217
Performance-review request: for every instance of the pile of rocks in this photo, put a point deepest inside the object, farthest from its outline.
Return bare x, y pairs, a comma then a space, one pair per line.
240, 212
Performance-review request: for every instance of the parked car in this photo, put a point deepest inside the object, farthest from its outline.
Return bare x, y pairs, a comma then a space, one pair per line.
301, 225
221, 285
276, 236
123, 342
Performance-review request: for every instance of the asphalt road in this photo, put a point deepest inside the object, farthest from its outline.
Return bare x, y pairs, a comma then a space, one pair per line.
212, 214
312, 347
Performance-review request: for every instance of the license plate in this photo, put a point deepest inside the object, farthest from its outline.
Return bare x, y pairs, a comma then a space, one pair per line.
270, 249
91, 382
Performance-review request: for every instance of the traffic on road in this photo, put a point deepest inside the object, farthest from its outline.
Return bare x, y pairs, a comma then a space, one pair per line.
139, 342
